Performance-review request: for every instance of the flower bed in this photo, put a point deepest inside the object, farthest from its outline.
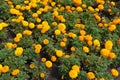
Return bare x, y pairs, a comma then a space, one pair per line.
76, 39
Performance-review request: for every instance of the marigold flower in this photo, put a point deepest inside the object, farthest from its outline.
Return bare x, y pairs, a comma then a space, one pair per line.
32, 65
31, 25
1, 66
34, 15
59, 53
19, 35
16, 39
111, 55
62, 44
112, 27
45, 41
77, 2
100, 7
108, 44
42, 74
43, 59
73, 74
57, 32
5, 69
114, 72
9, 45
101, 79
53, 58
18, 51
90, 75
48, 64
72, 48
25, 23
96, 42
85, 49
61, 26
76, 68
104, 52
15, 72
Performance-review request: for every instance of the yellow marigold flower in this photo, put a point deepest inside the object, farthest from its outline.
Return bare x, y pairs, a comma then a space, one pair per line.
38, 46
18, 51
19, 35
90, 75
111, 55
84, 5
105, 52
57, 32
34, 15
45, 41
37, 50
85, 49
1, 27
15, 72
55, 13
79, 9
4, 24
53, 58
112, 3
76, 68
100, 7
42, 74
73, 74
26, 2
16, 39
25, 23
9, 45
18, 6
48, 64
108, 44
114, 72
27, 32
1, 66
101, 79
43, 59
90, 8
82, 32
61, 26
32, 65
59, 53
62, 44
96, 42
5, 69
31, 25
112, 27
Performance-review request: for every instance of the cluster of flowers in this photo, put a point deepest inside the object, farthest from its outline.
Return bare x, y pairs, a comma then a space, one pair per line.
56, 31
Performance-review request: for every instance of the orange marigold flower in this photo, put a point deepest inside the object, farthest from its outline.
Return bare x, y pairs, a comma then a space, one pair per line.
5, 69
15, 72
45, 41
90, 75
